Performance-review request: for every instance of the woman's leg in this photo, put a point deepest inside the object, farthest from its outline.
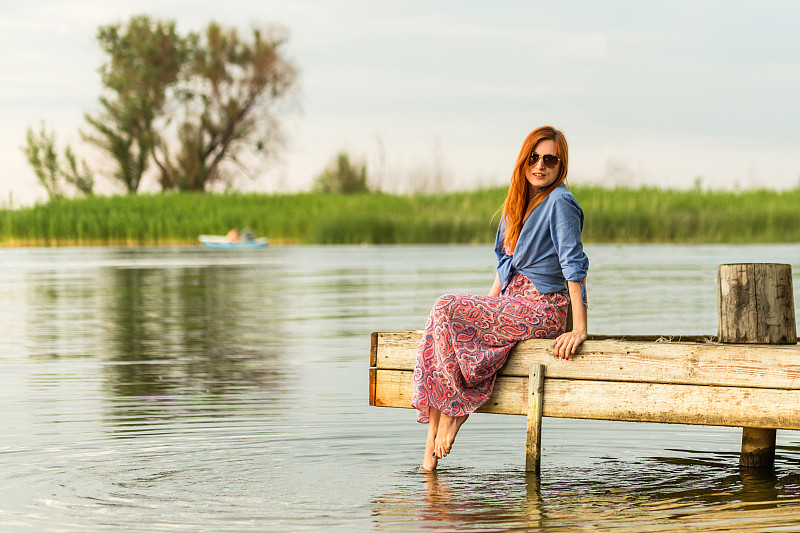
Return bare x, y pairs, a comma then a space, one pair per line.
466, 340
442, 428
430, 460
442, 431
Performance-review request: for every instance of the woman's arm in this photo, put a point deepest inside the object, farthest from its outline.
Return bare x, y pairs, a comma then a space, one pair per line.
567, 343
495, 290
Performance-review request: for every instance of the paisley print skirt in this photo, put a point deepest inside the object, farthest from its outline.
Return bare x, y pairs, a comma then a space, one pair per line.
467, 339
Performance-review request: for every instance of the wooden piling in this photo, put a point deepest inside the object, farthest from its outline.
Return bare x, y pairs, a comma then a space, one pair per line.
533, 449
758, 448
755, 305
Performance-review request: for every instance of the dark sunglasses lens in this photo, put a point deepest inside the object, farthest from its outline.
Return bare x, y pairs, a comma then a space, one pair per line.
550, 161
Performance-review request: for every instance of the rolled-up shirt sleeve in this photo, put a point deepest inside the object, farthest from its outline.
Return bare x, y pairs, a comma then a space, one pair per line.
566, 226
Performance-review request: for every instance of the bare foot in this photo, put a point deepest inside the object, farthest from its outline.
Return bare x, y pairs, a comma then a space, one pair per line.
429, 460
446, 433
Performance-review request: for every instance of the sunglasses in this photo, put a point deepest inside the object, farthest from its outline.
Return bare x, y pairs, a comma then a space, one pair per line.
550, 161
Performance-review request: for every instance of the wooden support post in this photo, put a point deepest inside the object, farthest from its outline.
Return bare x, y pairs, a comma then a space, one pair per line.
533, 449
755, 305
758, 448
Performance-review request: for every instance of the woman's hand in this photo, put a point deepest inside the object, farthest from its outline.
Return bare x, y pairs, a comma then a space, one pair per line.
567, 343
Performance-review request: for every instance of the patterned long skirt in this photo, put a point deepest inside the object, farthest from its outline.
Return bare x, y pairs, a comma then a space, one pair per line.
467, 339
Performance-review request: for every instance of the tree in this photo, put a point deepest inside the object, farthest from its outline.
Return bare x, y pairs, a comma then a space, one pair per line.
200, 106
145, 60
342, 177
229, 91
40, 150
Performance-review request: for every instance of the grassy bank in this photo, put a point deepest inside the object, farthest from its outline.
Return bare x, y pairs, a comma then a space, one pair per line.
654, 215
612, 215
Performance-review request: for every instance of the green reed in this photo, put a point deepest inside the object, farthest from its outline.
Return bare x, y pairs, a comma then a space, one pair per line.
612, 215
664, 216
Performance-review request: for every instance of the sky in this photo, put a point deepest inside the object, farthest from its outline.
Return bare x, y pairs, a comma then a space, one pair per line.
441, 93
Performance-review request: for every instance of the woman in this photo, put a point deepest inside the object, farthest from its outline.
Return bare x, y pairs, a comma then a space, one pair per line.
541, 270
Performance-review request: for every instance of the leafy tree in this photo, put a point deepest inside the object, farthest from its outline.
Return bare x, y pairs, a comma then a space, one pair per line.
342, 177
145, 60
200, 106
42, 155
230, 91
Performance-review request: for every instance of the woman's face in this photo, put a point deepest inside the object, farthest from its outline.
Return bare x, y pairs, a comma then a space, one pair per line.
539, 175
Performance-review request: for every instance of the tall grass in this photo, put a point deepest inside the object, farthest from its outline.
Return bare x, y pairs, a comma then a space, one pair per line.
656, 215
612, 215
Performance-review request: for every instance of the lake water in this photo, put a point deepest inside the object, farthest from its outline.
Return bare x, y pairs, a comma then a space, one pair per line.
183, 389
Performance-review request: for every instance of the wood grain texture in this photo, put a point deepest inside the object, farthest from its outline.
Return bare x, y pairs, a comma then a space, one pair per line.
393, 389
615, 359
635, 402
755, 304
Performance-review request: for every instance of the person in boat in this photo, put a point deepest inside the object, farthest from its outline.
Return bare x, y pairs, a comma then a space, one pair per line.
541, 272
248, 235
233, 236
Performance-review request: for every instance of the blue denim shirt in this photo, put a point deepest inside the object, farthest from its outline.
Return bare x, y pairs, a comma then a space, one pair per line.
549, 250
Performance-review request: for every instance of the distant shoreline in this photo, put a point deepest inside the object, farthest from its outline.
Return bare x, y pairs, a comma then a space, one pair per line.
619, 215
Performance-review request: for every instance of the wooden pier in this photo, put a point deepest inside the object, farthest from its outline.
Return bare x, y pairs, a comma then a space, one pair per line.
748, 376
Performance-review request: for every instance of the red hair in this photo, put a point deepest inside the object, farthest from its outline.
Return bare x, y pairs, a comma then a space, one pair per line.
522, 199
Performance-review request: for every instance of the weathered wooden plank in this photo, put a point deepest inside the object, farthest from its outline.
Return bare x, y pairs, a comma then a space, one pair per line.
703, 363
636, 402
393, 389
397, 350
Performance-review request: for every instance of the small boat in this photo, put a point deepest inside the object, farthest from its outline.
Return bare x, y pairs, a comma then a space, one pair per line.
221, 242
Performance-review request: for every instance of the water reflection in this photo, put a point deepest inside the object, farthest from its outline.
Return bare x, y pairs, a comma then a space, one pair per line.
178, 346
634, 496
61, 314
213, 327
173, 388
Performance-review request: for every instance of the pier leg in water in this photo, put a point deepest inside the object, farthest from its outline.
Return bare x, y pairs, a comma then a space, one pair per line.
755, 305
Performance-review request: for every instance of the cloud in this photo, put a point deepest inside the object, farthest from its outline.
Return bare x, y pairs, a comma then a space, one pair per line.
628, 81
